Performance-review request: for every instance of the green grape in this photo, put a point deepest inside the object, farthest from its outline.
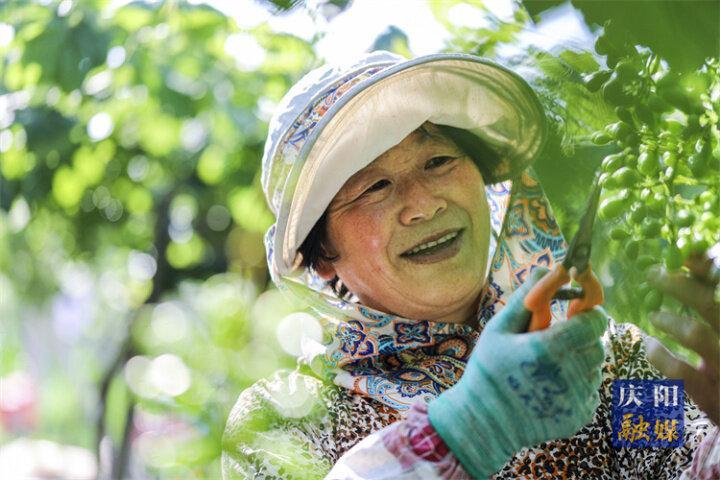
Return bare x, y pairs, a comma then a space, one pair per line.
656, 205
601, 138
664, 159
643, 289
625, 70
612, 207
595, 80
603, 180
637, 213
619, 233
644, 261
624, 115
652, 301
614, 93
648, 164
673, 258
651, 227
612, 162
632, 247
608, 182
619, 130
625, 177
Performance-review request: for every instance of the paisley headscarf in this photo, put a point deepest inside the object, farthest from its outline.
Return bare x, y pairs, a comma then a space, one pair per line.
398, 361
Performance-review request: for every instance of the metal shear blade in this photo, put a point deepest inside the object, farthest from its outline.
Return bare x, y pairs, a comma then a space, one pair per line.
578, 255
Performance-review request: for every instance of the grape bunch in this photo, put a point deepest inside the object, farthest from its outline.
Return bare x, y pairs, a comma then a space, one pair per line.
660, 188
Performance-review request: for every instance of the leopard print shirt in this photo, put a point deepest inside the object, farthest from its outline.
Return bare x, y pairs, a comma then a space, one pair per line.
294, 426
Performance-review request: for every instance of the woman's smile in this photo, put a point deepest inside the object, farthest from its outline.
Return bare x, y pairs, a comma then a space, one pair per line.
446, 246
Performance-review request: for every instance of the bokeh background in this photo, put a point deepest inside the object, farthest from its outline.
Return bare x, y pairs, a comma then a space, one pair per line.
135, 302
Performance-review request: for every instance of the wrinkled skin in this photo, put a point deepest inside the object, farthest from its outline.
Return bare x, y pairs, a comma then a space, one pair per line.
421, 187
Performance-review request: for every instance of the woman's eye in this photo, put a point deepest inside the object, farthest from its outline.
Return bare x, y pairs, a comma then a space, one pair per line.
379, 185
436, 162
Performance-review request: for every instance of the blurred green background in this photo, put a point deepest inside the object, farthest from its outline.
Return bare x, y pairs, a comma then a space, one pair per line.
134, 297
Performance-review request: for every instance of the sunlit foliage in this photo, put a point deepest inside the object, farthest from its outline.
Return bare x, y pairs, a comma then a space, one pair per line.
134, 296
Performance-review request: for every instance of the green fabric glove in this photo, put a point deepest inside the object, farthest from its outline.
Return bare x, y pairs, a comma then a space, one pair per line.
520, 389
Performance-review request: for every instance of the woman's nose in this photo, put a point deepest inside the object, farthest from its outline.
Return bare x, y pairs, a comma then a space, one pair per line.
420, 204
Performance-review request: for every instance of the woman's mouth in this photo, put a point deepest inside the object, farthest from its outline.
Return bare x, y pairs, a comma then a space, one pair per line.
447, 246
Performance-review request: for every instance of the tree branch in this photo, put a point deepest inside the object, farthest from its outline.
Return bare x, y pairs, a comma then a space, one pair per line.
121, 455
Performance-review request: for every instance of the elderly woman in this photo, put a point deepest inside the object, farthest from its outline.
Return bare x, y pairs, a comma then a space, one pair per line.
409, 220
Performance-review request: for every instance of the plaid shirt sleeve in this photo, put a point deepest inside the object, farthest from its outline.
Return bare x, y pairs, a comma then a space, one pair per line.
407, 449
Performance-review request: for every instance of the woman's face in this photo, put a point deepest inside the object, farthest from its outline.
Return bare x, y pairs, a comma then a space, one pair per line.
412, 231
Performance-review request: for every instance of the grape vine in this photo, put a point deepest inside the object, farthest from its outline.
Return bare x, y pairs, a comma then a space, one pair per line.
659, 188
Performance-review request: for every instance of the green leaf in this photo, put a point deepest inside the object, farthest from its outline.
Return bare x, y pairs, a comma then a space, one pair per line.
15, 164
211, 165
66, 53
186, 254
159, 134
89, 163
248, 209
286, 54
133, 17
584, 62
67, 187
139, 200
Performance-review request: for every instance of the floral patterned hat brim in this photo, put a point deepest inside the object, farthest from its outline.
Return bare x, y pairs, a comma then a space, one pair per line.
325, 111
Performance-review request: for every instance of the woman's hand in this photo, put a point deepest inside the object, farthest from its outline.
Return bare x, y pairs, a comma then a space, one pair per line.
701, 335
520, 389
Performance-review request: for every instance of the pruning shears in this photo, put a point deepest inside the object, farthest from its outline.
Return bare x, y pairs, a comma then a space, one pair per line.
575, 266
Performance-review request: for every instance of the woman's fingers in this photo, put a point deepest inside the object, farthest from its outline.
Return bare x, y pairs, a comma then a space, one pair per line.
590, 357
701, 386
690, 291
595, 379
691, 333
701, 267
580, 331
586, 363
592, 405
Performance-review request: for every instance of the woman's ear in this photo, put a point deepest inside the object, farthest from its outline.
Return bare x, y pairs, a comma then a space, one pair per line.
324, 264
325, 269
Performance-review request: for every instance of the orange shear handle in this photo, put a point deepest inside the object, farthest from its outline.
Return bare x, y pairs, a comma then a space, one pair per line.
593, 290
537, 301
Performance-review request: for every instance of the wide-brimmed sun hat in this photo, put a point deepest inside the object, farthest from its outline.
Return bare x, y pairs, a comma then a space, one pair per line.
338, 119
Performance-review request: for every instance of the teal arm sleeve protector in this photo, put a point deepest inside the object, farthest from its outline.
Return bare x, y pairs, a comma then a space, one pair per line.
520, 389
